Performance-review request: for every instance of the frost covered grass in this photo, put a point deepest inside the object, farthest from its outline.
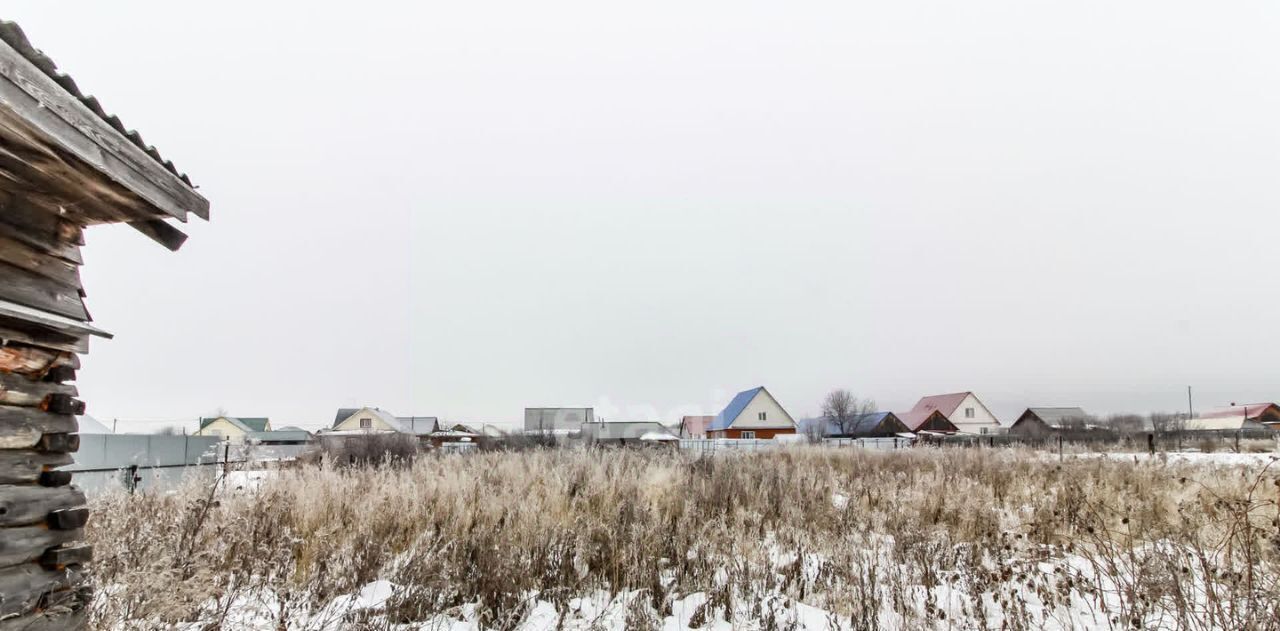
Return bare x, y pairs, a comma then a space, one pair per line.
805, 537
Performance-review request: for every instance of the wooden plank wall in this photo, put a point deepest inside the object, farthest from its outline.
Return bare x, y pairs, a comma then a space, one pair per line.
42, 515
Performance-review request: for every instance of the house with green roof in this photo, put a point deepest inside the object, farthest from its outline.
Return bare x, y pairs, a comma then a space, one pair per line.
233, 428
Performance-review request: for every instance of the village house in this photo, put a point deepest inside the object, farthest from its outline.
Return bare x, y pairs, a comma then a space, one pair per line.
376, 420
694, 427
1045, 421
459, 437
557, 421
233, 428
284, 436
928, 422
872, 425
1236, 417
633, 433
961, 410
752, 414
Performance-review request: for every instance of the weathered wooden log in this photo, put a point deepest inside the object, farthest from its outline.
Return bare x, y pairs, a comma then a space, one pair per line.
26, 544
26, 288
23, 428
27, 465
62, 556
59, 374
61, 342
30, 360
26, 392
62, 404
42, 230
24, 588
24, 505
61, 443
54, 478
23, 256
68, 518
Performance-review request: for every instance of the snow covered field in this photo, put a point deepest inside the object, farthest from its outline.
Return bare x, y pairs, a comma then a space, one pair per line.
795, 539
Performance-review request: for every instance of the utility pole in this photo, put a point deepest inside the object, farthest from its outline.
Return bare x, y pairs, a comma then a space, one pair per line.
1191, 411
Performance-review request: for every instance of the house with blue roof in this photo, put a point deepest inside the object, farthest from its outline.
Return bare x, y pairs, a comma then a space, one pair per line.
752, 414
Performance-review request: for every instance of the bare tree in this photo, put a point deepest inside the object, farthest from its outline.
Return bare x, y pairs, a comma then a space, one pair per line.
842, 410
1162, 422
1125, 422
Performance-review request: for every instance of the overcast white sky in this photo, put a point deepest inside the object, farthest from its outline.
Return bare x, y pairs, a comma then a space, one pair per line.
465, 208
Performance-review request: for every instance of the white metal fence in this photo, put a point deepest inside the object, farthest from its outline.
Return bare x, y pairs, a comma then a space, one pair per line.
730, 445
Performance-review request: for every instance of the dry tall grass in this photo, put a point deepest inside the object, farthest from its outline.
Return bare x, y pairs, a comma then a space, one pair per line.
960, 538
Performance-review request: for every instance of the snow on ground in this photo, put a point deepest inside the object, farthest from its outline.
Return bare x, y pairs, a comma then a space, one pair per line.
1184, 457
260, 609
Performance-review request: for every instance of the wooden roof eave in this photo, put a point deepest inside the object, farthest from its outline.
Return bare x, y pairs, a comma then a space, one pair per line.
73, 127
49, 320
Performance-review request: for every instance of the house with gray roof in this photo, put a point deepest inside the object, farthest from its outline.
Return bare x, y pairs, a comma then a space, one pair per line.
1044, 421
634, 433
872, 425
373, 420
557, 421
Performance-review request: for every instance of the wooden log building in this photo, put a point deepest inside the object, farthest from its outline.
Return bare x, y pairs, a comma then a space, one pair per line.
65, 164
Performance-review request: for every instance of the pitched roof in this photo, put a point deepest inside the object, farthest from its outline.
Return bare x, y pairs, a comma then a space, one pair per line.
695, 425
89, 425
860, 424
244, 423
418, 424
1223, 423
944, 403
280, 436
1248, 410
730, 413
1057, 417
916, 423
630, 430
12, 34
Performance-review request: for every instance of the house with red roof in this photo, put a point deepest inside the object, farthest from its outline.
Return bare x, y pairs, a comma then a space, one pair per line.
1246, 416
963, 411
752, 414
694, 426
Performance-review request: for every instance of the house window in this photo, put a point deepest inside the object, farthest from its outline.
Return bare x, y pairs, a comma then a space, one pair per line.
215, 432
750, 435
366, 423
764, 416
968, 412
983, 430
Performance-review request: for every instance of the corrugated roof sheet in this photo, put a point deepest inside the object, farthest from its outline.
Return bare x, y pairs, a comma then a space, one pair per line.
861, 424
615, 430
1223, 423
418, 424
944, 403
344, 414
1248, 410
280, 436
13, 35
1056, 417
246, 424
